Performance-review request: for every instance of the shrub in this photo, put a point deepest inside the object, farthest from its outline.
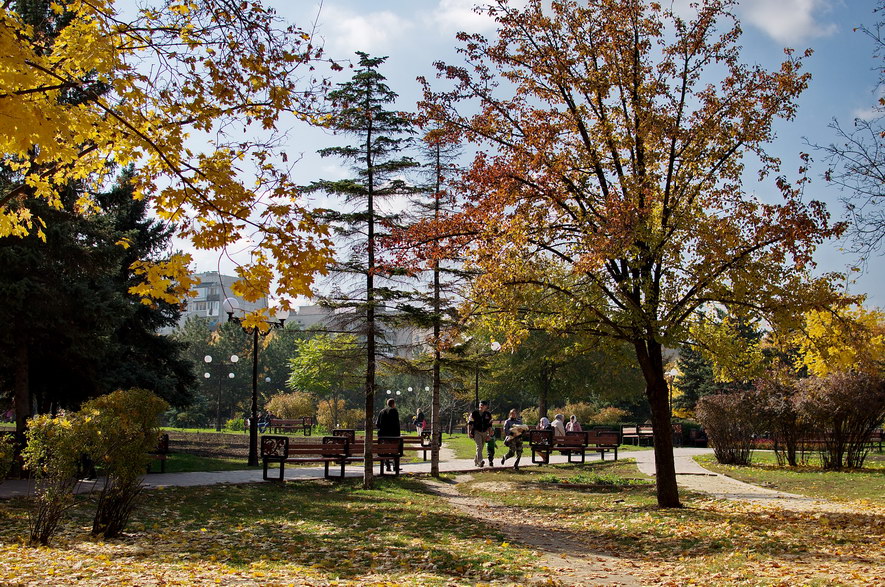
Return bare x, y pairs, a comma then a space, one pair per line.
53, 450
352, 418
7, 454
731, 422
235, 425
121, 430
292, 405
776, 395
326, 416
582, 410
530, 416
610, 415
844, 409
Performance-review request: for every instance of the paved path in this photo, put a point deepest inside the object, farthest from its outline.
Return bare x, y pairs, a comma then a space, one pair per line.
689, 474
448, 464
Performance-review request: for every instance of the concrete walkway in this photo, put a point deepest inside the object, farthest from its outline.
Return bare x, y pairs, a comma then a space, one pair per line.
690, 475
448, 464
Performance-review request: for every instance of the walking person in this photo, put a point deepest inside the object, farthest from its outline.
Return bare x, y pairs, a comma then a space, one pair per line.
419, 422
479, 426
513, 431
387, 424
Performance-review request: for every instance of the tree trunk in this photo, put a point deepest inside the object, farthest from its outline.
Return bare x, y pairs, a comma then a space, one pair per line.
651, 360
22, 392
544, 381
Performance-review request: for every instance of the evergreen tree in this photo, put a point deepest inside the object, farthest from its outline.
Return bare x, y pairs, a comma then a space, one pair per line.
74, 330
382, 135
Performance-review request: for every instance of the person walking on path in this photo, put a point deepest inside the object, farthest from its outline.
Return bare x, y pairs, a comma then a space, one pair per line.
480, 424
419, 422
513, 430
387, 424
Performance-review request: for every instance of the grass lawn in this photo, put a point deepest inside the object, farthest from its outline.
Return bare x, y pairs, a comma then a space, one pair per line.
298, 533
322, 532
867, 484
710, 542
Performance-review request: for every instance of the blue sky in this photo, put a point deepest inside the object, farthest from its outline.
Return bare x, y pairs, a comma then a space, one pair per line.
415, 33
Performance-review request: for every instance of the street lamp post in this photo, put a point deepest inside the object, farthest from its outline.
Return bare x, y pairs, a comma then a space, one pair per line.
231, 306
208, 359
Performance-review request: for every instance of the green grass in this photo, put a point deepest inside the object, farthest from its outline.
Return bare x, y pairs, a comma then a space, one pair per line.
867, 484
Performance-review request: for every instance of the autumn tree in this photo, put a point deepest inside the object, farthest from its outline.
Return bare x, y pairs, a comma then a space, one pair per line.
857, 160
198, 94
362, 110
611, 142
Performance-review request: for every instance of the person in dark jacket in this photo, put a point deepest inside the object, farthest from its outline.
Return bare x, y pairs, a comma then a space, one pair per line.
387, 423
480, 427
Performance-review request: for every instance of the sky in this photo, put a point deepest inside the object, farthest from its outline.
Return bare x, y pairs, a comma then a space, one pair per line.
416, 33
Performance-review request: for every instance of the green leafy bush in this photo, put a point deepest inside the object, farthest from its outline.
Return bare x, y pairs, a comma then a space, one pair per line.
235, 425
610, 416
121, 429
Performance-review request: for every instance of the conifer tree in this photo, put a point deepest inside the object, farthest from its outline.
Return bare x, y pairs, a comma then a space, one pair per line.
381, 135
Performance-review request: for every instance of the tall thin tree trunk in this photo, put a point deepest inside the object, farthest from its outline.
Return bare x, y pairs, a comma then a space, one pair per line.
22, 392
651, 360
370, 306
435, 424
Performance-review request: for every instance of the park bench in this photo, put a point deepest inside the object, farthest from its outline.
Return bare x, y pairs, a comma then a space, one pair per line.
160, 453
637, 434
279, 449
603, 441
383, 450
417, 443
303, 424
541, 443
573, 443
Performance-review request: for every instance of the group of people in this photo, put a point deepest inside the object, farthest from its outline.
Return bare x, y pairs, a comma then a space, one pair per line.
559, 426
481, 429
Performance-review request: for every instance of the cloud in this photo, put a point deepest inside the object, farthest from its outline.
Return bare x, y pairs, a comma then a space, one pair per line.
788, 21
459, 15
373, 32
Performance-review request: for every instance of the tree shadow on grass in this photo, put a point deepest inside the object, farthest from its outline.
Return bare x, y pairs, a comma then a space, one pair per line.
335, 527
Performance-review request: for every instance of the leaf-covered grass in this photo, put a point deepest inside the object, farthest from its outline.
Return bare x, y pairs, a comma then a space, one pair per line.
867, 484
297, 533
708, 541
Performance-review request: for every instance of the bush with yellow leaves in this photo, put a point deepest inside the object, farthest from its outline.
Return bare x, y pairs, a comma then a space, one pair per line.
120, 429
54, 447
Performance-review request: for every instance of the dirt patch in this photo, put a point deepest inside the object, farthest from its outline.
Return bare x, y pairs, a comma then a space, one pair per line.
560, 563
214, 445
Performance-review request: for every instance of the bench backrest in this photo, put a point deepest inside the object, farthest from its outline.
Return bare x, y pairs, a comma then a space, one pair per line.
540, 436
604, 437
274, 446
345, 432
573, 438
334, 446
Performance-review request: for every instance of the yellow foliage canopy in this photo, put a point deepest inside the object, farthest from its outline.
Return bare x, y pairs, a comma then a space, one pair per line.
843, 340
185, 81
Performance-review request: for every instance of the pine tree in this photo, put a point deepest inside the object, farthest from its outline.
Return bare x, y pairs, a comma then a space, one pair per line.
361, 111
